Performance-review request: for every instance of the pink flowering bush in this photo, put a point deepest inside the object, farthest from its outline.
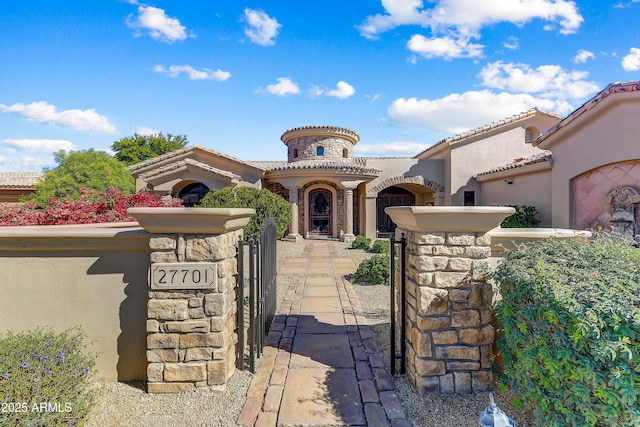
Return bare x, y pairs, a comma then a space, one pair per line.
92, 207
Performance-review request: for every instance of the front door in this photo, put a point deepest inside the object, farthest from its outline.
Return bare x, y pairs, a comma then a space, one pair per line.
320, 212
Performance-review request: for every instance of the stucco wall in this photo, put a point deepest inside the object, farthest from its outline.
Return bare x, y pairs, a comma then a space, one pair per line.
95, 277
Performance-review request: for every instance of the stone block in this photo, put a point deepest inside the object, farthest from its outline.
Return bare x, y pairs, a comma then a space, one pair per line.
162, 341
217, 372
426, 385
181, 372
463, 366
434, 323
465, 319
483, 239
157, 257
160, 355
188, 326
195, 302
169, 387
448, 250
481, 295
427, 367
424, 279
459, 295
431, 263
201, 340
486, 354
218, 324
437, 238
198, 353
168, 309
162, 242
448, 279
423, 250
486, 316
421, 343
463, 382
481, 381
460, 239
447, 384
431, 301
477, 336
457, 352
444, 337
459, 264
153, 325
215, 304
477, 252
154, 372
196, 313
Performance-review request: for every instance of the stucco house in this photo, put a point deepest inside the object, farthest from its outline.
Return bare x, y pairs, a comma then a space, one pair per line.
580, 171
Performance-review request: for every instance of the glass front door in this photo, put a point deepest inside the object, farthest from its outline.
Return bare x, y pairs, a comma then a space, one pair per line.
320, 212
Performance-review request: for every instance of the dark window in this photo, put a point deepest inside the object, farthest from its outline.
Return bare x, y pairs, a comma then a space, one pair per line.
320, 151
469, 198
345, 153
193, 193
295, 153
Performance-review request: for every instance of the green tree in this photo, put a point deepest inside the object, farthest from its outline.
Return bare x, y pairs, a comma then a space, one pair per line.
77, 170
265, 202
138, 148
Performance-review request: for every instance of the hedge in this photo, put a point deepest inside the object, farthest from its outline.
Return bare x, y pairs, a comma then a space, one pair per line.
570, 319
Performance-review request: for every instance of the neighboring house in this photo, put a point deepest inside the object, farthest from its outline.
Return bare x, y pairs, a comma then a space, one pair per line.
15, 185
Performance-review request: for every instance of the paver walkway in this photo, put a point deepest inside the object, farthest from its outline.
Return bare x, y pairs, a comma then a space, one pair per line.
321, 365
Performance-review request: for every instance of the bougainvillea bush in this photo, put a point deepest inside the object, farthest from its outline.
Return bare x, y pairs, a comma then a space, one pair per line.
45, 378
570, 341
91, 207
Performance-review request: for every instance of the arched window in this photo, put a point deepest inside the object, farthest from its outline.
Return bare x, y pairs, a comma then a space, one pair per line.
345, 153
193, 193
295, 153
320, 151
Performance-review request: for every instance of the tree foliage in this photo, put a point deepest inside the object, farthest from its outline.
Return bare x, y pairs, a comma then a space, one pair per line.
265, 202
138, 148
78, 170
524, 217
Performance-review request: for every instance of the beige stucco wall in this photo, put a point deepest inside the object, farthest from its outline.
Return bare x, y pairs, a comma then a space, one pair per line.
95, 277
608, 133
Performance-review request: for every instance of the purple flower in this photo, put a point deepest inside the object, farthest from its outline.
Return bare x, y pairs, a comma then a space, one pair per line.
36, 356
72, 423
59, 356
45, 357
24, 365
47, 371
48, 343
6, 376
85, 371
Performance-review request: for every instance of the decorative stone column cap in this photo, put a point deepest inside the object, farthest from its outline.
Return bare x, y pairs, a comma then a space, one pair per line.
477, 219
191, 220
510, 238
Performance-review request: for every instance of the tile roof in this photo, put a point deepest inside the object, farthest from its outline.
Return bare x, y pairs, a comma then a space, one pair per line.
491, 126
186, 162
185, 150
342, 166
19, 180
544, 156
620, 87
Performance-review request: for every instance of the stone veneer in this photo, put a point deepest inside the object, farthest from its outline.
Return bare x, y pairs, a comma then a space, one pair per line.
449, 303
334, 140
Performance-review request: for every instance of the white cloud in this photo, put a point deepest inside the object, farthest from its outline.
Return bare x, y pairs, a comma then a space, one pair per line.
159, 26
192, 73
460, 112
548, 81
46, 145
631, 61
261, 28
42, 112
623, 5
391, 149
445, 47
343, 90
25, 163
511, 43
284, 87
582, 56
146, 131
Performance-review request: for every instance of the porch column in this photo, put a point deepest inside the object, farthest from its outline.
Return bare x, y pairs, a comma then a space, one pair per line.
294, 234
348, 212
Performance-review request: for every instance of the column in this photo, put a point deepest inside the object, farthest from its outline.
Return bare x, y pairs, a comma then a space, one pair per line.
294, 233
348, 213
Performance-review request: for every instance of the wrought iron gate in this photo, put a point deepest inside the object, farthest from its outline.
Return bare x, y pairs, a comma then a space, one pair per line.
398, 253
256, 294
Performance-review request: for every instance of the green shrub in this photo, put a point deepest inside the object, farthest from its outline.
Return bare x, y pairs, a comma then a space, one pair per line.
381, 247
265, 202
361, 242
374, 270
45, 378
570, 315
525, 217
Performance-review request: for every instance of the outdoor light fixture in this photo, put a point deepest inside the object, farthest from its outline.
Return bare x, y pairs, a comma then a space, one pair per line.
508, 181
494, 416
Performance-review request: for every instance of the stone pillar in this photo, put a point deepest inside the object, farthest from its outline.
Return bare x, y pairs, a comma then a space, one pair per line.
348, 215
191, 312
449, 303
294, 230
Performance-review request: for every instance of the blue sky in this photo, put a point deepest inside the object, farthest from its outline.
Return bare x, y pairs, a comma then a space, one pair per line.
234, 75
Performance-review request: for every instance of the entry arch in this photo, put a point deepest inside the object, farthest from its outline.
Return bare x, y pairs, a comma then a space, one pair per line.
308, 193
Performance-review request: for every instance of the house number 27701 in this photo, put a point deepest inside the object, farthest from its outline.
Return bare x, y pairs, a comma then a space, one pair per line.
184, 275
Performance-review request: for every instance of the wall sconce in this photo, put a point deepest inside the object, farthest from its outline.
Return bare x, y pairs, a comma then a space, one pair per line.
508, 181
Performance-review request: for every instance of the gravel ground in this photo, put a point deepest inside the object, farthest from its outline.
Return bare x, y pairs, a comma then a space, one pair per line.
125, 404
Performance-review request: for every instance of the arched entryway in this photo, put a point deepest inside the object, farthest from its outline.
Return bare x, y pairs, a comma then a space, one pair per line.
191, 194
320, 212
391, 196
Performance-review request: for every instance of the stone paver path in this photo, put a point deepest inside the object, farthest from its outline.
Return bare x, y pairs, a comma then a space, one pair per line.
321, 365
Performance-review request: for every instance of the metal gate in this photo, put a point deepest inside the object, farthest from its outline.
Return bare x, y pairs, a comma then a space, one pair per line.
398, 253
257, 281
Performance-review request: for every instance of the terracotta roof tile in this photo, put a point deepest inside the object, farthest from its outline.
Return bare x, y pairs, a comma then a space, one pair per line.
19, 180
544, 156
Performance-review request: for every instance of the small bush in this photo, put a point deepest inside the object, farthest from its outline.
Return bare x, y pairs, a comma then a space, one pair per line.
374, 270
381, 247
525, 217
265, 202
570, 315
361, 242
45, 378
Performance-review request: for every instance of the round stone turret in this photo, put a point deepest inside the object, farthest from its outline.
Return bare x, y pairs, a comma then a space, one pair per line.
320, 143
